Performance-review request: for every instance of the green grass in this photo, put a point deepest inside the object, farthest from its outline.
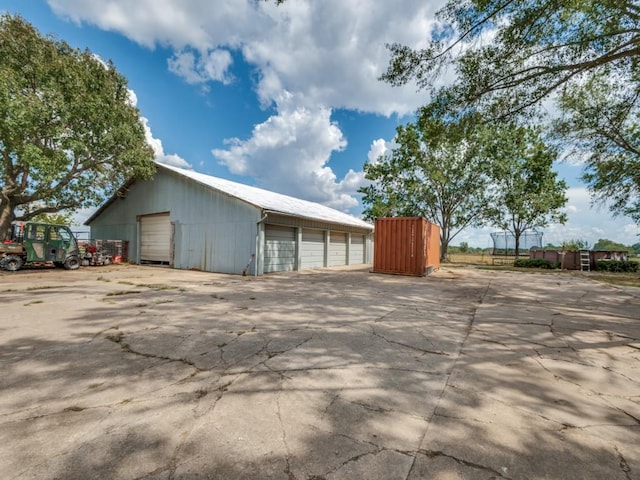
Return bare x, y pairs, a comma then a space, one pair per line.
622, 279
122, 292
32, 302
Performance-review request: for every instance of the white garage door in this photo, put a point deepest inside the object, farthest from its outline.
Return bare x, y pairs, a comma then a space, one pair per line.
279, 249
155, 238
356, 252
312, 249
337, 249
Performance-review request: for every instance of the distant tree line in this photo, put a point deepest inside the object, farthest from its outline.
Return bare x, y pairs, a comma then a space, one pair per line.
573, 244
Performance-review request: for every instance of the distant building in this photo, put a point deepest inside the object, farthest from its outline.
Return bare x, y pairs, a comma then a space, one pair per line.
189, 220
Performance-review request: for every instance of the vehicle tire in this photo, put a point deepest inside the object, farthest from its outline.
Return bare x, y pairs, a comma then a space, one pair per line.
12, 263
72, 263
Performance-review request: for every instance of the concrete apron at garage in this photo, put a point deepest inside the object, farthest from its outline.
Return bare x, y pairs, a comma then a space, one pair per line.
138, 372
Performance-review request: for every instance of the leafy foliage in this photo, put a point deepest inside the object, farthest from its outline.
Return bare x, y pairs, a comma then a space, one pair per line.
58, 218
575, 244
536, 263
610, 245
509, 56
69, 135
617, 266
601, 122
526, 193
435, 172
535, 47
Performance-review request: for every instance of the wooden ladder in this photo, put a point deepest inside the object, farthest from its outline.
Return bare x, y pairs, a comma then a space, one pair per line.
585, 261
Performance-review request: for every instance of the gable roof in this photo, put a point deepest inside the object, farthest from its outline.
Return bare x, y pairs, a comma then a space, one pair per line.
264, 199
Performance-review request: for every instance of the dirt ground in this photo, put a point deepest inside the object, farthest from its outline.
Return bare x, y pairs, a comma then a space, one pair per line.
130, 372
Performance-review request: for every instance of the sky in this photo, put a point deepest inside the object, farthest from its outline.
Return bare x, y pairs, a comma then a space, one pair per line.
286, 98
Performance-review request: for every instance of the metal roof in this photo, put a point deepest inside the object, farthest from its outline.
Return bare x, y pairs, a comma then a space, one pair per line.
272, 201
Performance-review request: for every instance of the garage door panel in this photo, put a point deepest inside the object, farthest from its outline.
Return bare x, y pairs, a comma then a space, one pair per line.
155, 238
279, 249
356, 252
337, 249
312, 249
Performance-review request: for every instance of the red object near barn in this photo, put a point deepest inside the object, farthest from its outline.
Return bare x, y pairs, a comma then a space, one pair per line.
406, 246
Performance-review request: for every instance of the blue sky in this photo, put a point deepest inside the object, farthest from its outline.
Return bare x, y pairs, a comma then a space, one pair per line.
285, 98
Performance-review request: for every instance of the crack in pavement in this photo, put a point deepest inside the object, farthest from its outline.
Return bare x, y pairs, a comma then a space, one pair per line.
624, 465
467, 334
127, 348
402, 344
466, 463
287, 468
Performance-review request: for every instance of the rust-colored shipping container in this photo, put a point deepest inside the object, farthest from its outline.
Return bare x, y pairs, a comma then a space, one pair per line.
406, 246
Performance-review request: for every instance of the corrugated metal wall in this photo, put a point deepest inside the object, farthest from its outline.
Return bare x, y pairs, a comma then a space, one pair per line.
406, 246
433, 246
212, 231
338, 250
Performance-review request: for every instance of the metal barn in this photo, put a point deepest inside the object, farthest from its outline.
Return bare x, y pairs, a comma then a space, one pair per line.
189, 220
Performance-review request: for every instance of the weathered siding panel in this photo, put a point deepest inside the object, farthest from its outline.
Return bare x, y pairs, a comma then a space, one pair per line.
313, 224
213, 231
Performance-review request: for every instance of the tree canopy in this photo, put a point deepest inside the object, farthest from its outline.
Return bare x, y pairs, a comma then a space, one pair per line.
435, 172
512, 54
526, 191
69, 134
600, 125
611, 245
509, 56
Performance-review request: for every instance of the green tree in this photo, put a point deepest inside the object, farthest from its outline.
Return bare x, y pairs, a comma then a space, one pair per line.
606, 244
601, 122
435, 172
515, 53
527, 192
636, 248
575, 244
509, 56
69, 135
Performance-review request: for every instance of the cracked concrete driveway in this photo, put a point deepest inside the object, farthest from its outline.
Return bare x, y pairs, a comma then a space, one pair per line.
128, 372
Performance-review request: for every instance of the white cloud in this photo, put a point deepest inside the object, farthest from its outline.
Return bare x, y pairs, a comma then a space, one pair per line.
330, 52
379, 148
156, 143
197, 67
289, 153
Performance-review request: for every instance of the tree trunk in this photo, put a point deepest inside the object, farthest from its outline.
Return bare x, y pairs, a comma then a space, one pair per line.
444, 245
517, 239
7, 216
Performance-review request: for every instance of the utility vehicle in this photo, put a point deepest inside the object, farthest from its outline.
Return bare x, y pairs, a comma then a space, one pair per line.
39, 242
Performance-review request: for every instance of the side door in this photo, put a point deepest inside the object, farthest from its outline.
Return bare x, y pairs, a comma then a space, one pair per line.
59, 243
35, 239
